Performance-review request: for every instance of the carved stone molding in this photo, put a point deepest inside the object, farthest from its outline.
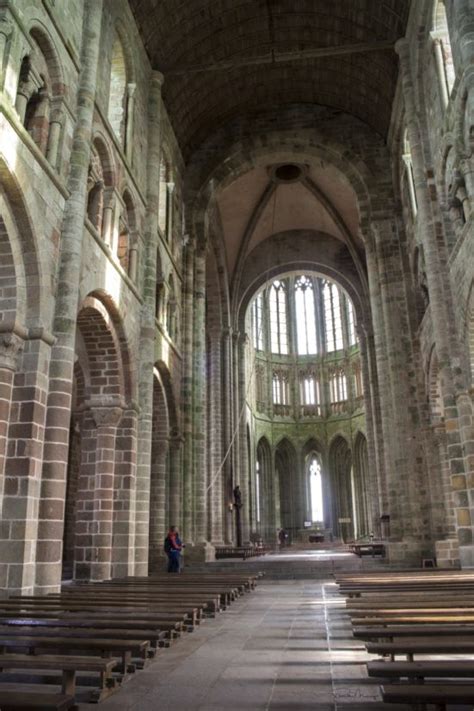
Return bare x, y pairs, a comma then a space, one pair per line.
11, 346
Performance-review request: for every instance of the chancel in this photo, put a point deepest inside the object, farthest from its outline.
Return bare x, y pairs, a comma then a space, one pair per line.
237, 304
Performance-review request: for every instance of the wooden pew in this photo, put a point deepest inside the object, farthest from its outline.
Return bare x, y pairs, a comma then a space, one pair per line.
421, 670
105, 647
439, 694
68, 666
421, 645
26, 701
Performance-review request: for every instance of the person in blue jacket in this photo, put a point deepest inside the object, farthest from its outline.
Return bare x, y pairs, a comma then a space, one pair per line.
173, 547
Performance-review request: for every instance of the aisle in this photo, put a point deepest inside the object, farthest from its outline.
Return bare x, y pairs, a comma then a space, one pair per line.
286, 646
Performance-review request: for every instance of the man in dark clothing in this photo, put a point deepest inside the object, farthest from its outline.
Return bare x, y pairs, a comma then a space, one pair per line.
173, 547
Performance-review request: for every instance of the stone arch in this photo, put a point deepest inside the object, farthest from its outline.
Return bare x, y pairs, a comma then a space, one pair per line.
313, 448
100, 185
22, 296
127, 237
40, 88
233, 157
102, 461
340, 468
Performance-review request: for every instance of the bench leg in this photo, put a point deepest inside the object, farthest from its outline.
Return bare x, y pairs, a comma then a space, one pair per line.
68, 685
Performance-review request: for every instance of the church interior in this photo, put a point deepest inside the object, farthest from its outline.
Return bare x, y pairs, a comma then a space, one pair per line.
236, 298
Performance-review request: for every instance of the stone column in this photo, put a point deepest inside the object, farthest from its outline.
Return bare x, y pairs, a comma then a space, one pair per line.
440, 71
147, 327
216, 415
125, 482
10, 347
158, 525
442, 320
236, 402
107, 418
131, 88
373, 481
175, 485
187, 392
53, 484
242, 450
200, 397
405, 477
6, 28
227, 432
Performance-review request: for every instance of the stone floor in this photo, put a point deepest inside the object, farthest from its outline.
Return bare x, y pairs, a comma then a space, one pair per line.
285, 646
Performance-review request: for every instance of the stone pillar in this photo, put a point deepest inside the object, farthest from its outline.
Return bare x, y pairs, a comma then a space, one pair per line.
52, 152
175, 480
216, 419
440, 71
187, 392
131, 88
147, 327
242, 450
158, 524
200, 397
405, 476
236, 402
6, 28
53, 484
107, 418
227, 432
442, 321
10, 347
373, 480
125, 481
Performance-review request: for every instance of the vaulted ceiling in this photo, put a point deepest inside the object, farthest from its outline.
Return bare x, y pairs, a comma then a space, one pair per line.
225, 58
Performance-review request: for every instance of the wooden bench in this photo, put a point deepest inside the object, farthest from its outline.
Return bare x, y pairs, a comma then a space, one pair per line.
105, 647
393, 631
26, 701
68, 666
421, 670
422, 645
438, 694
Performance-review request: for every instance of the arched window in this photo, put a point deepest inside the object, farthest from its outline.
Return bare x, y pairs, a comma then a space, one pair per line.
278, 318
280, 389
171, 309
442, 53
310, 395
332, 317
337, 388
118, 90
257, 322
316, 489
305, 316
410, 178
351, 332
165, 212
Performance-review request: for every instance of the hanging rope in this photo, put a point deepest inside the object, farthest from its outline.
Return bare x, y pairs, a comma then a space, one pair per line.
249, 384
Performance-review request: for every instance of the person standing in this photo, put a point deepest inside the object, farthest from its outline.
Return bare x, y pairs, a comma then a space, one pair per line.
173, 547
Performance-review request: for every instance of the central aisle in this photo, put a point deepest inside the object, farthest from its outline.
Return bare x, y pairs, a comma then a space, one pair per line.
284, 646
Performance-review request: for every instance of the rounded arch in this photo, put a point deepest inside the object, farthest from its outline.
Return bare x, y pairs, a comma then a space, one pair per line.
41, 36
108, 317
121, 75
21, 285
104, 151
162, 370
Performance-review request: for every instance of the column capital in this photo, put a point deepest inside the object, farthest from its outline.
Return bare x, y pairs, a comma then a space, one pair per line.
11, 346
107, 412
131, 89
157, 78
6, 27
402, 48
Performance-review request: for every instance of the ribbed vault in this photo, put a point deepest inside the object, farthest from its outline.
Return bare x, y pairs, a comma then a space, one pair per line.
226, 58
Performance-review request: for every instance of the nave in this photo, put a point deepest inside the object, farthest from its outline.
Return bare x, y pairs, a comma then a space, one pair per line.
288, 646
